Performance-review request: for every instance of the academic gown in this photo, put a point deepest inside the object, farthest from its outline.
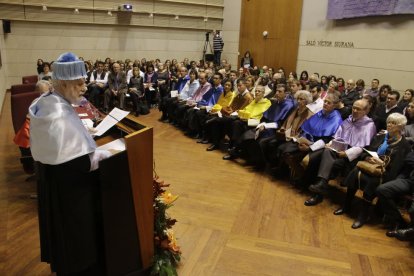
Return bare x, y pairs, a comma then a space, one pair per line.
69, 220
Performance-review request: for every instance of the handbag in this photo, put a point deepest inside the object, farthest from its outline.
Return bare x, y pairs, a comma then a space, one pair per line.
376, 170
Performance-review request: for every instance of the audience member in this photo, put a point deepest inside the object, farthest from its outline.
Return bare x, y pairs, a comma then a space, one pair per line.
117, 87
340, 154
391, 144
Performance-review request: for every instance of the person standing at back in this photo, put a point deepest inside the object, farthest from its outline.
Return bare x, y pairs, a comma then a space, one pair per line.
218, 45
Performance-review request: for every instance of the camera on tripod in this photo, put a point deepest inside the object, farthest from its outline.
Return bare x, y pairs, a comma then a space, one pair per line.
208, 35
207, 45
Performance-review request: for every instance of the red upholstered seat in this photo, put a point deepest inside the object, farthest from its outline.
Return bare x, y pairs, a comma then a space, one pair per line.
19, 107
22, 88
30, 79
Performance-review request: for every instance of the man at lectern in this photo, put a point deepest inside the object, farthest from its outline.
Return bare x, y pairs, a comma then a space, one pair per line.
68, 190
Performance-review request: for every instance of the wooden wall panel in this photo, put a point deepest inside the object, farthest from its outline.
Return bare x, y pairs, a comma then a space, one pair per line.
12, 12
281, 19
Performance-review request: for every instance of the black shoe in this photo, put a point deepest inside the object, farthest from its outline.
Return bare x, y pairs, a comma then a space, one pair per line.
395, 227
212, 147
405, 234
314, 200
320, 187
359, 223
202, 141
228, 157
363, 215
340, 211
391, 233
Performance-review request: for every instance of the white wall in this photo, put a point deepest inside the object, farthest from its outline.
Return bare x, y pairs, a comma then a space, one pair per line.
4, 81
29, 41
231, 31
383, 46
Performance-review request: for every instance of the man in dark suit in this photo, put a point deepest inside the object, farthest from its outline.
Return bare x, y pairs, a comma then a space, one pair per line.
117, 87
350, 94
385, 109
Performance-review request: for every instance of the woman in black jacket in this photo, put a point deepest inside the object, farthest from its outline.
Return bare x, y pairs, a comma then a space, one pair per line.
136, 91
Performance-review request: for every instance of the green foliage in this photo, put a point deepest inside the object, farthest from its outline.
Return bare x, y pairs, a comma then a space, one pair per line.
167, 254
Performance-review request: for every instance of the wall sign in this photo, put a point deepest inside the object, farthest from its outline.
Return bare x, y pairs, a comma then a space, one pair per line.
329, 43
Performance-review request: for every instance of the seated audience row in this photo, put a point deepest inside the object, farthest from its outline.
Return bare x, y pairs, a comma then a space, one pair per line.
315, 130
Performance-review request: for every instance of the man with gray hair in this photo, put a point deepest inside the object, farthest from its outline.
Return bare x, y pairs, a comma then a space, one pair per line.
43, 86
68, 185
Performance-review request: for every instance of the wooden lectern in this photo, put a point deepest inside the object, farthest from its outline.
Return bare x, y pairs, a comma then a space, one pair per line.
127, 199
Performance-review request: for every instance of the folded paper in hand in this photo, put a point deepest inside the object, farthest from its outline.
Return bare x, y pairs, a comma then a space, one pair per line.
372, 153
253, 122
174, 93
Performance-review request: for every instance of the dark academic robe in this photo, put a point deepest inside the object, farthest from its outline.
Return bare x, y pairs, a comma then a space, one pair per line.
277, 113
69, 220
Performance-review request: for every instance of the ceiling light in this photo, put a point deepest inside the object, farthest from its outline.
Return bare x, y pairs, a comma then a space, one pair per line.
44, 8
205, 19
176, 17
76, 11
151, 15
109, 13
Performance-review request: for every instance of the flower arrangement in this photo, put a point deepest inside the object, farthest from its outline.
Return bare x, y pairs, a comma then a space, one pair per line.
167, 253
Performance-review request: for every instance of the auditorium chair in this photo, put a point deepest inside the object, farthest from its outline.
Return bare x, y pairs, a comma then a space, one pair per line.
22, 88
19, 107
30, 79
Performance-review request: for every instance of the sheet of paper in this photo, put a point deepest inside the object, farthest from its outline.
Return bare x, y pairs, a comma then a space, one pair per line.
372, 153
272, 125
235, 113
110, 120
174, 93
253, 122
317, 145
118, 144
88, 123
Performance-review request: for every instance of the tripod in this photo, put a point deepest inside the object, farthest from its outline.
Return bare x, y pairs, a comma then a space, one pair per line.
207, 57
